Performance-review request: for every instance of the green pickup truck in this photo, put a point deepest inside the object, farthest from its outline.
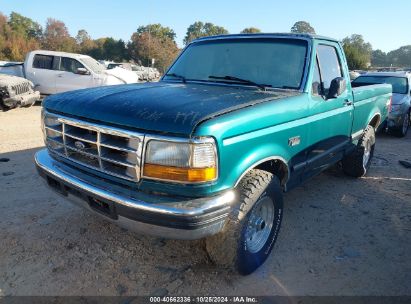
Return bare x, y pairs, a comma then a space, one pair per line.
207, 152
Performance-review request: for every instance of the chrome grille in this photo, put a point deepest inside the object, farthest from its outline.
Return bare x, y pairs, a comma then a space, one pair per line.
21, 88
110, 150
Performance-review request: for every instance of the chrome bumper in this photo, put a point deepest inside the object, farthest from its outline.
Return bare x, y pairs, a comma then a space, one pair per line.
145, 213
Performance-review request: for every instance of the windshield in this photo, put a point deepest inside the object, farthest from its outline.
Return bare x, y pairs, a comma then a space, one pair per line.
399, 84
93, 64
277, 63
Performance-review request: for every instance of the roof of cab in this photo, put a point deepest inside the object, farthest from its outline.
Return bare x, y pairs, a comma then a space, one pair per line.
267, 35
54, 53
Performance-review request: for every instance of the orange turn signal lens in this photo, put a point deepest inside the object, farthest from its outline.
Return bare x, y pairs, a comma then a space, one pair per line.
180, 174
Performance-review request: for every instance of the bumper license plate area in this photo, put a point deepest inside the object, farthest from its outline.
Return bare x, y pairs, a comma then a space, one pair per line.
102, 207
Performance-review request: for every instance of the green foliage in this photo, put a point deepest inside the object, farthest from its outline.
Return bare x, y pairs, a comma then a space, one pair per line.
82, 37
400, 57
357, 51
115, 49
15, 38
250, 30
379, 59
158, 31
25, 26
302, 27
199, 29
57, 38
158, 44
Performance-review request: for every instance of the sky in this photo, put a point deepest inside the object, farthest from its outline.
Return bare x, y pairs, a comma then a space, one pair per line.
386, 25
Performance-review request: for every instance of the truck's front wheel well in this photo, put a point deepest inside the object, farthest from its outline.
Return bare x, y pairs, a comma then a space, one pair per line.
276, 167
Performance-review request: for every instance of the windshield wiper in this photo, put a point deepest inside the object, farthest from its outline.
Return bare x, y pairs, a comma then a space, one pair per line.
183, 79
245, 81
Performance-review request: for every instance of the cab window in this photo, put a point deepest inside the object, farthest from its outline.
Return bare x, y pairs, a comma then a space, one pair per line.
70, 65
329, 65
43, 62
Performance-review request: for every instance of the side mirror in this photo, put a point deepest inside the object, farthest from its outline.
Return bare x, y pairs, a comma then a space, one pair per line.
82, 71
337, 87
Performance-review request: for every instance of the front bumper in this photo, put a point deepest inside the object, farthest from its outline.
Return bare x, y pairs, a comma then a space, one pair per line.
23, 100
168, 217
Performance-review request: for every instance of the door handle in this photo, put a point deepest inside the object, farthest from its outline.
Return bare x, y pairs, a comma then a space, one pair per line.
347, 102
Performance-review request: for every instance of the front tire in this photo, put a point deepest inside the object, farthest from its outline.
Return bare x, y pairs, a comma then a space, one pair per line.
358, 162
252, 227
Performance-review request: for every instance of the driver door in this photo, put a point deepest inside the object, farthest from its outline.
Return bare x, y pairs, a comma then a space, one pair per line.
330, 129
68, 79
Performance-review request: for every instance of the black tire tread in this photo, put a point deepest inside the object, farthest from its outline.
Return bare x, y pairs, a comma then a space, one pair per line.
353, 164
222, 247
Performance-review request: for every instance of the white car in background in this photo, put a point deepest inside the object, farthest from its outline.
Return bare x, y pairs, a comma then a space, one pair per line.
56, 72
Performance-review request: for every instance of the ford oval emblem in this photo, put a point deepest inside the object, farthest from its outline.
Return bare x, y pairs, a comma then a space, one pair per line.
79, 145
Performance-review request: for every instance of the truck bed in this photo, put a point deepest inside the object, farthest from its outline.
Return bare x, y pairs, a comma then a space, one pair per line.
370, 99
368, 91
12, 68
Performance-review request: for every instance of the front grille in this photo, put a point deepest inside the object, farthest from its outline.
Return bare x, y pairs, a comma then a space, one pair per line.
110, 150
21, 88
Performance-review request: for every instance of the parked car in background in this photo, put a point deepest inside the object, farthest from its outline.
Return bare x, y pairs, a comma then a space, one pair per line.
55, 72
143, 73
207, 151
113, 65
16, 92
398, 120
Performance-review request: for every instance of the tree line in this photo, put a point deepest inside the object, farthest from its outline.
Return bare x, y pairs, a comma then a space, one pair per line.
20, 34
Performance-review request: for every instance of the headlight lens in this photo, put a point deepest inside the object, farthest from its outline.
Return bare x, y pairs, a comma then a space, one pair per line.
192, 162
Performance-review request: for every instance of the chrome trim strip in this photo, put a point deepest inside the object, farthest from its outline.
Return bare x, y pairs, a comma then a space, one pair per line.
357, 134
99, 129
140, 152
193, 207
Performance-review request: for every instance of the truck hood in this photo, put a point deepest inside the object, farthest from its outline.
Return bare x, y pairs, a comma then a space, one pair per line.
160, 107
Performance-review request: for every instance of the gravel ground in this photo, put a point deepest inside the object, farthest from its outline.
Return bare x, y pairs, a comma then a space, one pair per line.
340, 236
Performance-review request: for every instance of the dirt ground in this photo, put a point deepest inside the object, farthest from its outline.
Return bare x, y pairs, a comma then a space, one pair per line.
340, 236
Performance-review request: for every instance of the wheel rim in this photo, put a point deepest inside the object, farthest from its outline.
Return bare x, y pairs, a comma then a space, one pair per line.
405, 124
260, 224
367, 153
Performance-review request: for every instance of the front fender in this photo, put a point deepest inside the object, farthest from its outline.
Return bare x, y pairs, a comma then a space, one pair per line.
243, 156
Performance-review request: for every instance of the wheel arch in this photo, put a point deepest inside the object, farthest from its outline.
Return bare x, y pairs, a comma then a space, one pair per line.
276, 165
375, 120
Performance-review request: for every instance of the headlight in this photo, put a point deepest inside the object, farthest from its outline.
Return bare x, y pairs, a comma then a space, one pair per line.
191, 162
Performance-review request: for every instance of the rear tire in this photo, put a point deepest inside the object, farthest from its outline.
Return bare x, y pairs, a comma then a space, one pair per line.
402, 131
358, 162
252, 227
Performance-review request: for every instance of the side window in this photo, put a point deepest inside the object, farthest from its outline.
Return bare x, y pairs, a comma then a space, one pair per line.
70, 65
43, 62
316, 85
330, 66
